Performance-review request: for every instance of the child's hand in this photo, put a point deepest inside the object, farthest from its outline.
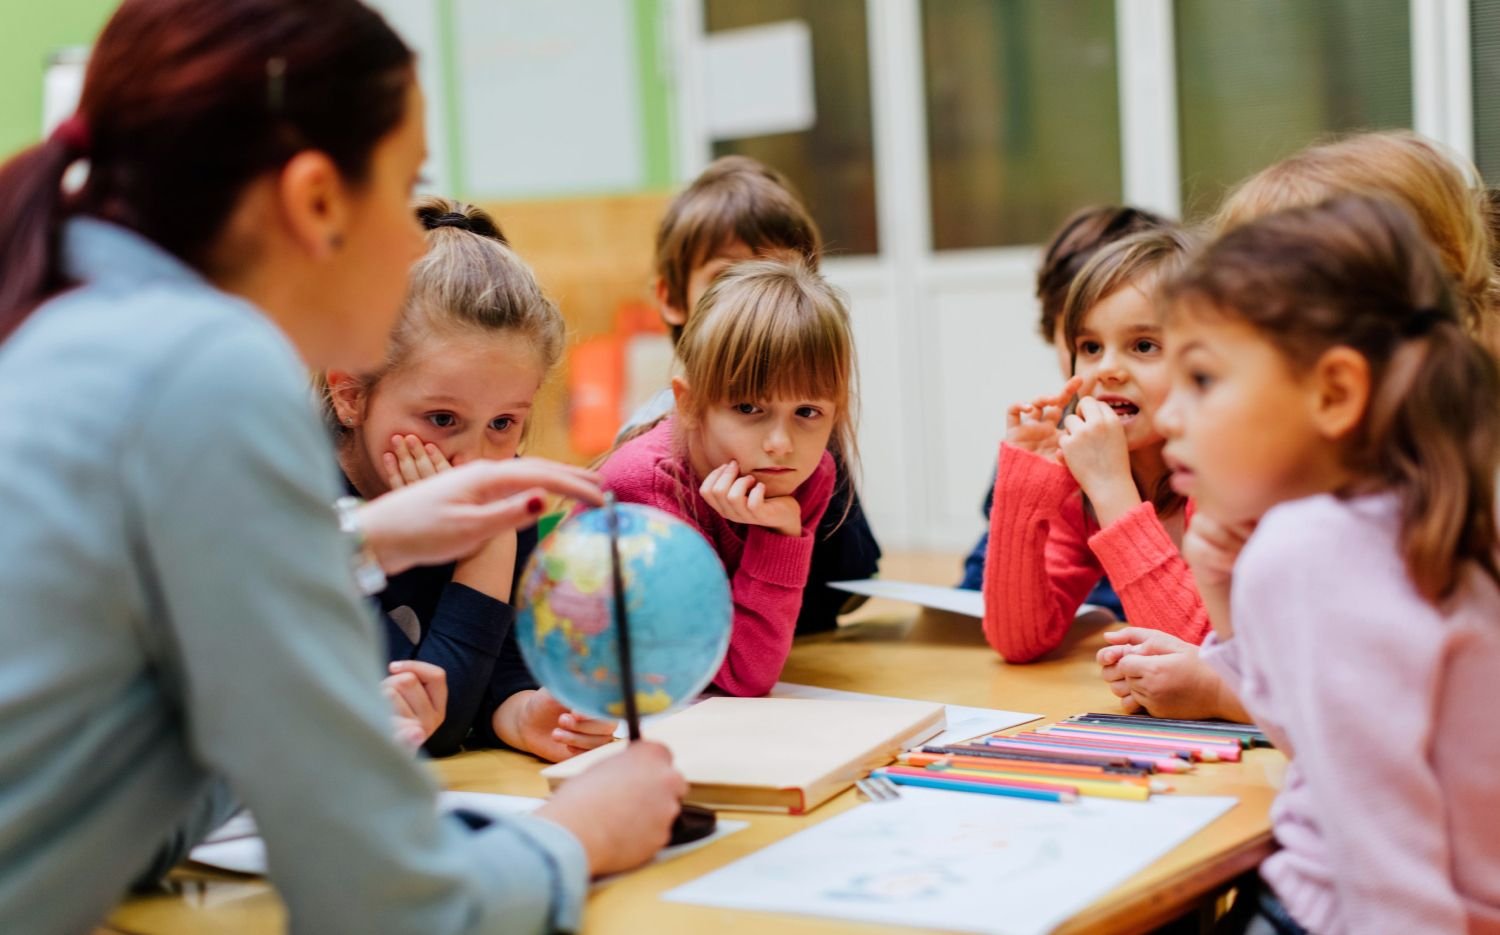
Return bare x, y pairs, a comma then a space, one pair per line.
1094, 449
418, 692
1034, 427
621, 810
1157, 672
410, 460
743, 500
1210, 548
538, 723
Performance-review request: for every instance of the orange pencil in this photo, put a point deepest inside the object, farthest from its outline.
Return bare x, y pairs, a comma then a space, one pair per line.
1019, 766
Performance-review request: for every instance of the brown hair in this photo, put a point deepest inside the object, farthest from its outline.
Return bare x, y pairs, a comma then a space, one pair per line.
1141, 260
1433, 183
185, 103
735, 198
1079, 238
772, 330
469, 279
1357, 272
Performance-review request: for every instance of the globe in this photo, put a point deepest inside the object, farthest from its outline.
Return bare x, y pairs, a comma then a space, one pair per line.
677, 603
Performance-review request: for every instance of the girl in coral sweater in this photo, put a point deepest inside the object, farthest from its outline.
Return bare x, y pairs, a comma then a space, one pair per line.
1084, 493
763, 406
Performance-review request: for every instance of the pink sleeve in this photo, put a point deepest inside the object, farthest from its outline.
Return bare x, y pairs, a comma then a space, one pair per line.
1330, 629
767, 590
1154, 582
1038, 568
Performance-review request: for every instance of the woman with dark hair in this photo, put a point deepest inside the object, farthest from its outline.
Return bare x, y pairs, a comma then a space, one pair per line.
181, 626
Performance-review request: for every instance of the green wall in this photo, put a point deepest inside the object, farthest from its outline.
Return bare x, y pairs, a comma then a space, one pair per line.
32, 31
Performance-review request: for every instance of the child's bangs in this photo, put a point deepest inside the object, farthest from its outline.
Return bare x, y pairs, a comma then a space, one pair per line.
771, 339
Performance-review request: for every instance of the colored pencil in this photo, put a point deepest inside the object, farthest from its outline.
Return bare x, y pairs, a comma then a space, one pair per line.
1128, 746
1210, 751
1114, 764
1165, 764
1174, 733
984, 788
1061, 770
1100, 788
1256, 736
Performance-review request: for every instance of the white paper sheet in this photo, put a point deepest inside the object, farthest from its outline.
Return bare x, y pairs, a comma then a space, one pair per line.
958, 861
954, 600
964, 722
235, 846
758, 80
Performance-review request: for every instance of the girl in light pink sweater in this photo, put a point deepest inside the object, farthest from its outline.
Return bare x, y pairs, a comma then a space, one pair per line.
1324, 391
764, 405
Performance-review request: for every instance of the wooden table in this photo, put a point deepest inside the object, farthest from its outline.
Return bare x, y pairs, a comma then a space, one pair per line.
889, 650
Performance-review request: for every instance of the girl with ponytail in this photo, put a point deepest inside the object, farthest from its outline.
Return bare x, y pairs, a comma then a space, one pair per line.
474, 343
182, 631
1325, 390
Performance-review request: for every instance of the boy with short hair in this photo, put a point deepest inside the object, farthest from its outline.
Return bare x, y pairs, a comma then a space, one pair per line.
740, 209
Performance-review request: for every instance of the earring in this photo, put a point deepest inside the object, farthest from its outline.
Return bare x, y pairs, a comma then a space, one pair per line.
349, 422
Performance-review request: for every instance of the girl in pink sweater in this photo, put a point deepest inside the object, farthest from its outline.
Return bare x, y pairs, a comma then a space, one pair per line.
1323, 386
764, 405
1084, 494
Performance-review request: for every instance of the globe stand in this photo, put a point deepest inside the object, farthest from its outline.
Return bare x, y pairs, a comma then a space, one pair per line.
693, 822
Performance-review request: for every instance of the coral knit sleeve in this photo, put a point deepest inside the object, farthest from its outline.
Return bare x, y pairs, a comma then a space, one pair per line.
1148, 572
1038, 568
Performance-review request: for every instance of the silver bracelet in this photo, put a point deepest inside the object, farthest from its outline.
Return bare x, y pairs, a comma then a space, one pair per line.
368, 575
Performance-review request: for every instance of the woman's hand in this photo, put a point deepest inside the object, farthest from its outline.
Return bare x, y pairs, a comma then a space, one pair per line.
453, 513
538, 723
621, 810
418, 693
1034, 426
743, 500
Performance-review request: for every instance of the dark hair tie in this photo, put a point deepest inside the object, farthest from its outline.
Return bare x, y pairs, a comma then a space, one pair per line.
73, 133
1421, 322
479, 226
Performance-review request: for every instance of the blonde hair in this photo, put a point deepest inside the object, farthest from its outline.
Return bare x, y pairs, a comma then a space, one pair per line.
1436, 185
735, 198
1146, 258
469, 279
772, 330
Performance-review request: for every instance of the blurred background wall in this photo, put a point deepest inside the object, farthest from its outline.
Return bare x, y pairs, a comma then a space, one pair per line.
937, 142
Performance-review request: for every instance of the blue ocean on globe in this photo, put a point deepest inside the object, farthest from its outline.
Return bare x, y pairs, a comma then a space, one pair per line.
677, 601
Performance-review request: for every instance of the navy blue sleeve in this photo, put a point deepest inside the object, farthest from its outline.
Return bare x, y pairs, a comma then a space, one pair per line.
463, 638
510, 673
973, 579
846, 550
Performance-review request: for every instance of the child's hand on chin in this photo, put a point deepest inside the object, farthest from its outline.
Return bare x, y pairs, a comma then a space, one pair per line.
1033, 426
410, 460
743, 500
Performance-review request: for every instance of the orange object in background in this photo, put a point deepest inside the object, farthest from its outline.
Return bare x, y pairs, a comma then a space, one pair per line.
597, 378
596, 381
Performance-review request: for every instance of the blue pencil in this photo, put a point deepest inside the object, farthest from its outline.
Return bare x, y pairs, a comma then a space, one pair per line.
958, 785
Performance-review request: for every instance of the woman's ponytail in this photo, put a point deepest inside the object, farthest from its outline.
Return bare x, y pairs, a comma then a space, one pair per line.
31, 210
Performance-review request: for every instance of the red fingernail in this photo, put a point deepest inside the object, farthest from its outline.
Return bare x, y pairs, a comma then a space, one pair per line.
535, 505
